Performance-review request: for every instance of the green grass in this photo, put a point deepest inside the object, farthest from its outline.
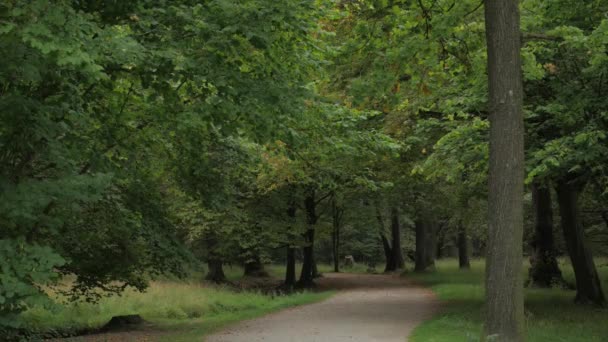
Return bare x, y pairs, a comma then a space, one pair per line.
180, 311
551, 314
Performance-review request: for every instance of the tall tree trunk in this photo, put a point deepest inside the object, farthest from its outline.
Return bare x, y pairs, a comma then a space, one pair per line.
290, 270
420, 227
308, 263
335, 238
504, 281
216, 271
290, 267
463, 247
397, 254
255, 268
337, 213
588, 286
337, 259
425, 244
306, 275
544, 271
440, 243
388, 252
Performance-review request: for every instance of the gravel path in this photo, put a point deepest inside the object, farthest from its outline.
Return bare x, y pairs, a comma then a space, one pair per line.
368, 308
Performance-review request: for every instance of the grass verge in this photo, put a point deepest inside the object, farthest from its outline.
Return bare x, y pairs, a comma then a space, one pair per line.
178, 311
551, 314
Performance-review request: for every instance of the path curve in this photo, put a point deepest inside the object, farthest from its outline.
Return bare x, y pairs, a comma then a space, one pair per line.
383, 308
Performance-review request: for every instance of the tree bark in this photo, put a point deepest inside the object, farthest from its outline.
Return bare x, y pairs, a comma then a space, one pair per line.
290, 267
308, 263
335, 238
290, 270
216, 271
337, 213
440, 244
397, 254
544, 270
419, 265
425, 245
463, 248
306, 275
388, 252
588, 286
504, 281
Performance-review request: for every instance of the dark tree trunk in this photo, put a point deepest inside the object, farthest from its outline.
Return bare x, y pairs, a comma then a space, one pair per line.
337, 214
463, 248
440, 245
504, 281
605, 217
397, 254
388, 252
308, 263
425, 244
290, 271
588, 286
216, 271
255, 268
335, 240
544, 271
420, 231
306, 275
290, 267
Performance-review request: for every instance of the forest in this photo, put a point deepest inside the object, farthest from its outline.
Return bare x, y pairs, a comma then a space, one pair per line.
201, 162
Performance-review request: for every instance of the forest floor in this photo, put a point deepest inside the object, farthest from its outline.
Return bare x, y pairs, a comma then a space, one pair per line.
366, 308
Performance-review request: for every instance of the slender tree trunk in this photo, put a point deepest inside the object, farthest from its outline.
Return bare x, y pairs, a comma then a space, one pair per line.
544, 270
420, 227
440, 243
431, 244
290, 267
463, 247
337, 261
425, 244
308, 263
388, 252
334, 250
216, 271
588, 286
337, 213
421, 231
397, 254
504, 281
255, 268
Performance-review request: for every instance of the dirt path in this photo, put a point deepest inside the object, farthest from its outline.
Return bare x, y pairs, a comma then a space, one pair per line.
368, 308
